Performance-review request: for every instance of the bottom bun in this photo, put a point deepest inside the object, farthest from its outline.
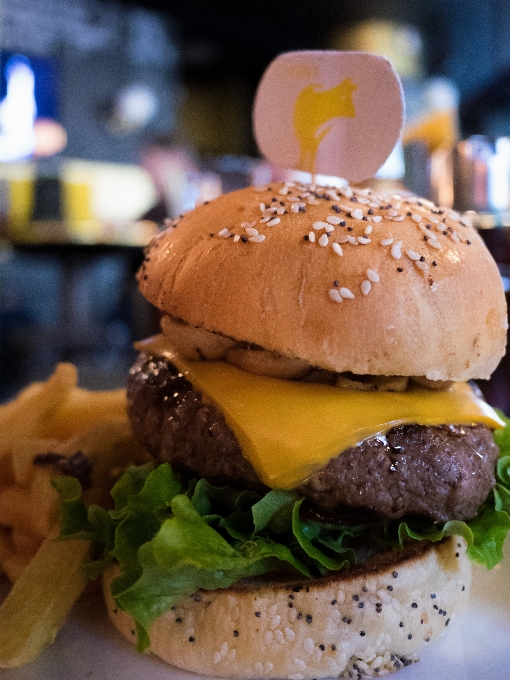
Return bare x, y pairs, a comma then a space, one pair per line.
370, 620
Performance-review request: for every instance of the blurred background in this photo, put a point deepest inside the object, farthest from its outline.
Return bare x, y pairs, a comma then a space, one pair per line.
115, 115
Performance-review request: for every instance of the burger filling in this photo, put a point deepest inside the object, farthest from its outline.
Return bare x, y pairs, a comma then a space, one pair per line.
442, 473
229, 497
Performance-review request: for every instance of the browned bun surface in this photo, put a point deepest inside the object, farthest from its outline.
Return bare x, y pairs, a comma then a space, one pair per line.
374, 617
408, 289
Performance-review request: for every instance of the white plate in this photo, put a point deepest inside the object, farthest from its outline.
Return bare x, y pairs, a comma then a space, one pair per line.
476, 648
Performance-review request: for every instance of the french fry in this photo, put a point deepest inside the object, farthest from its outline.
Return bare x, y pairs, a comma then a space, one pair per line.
43, 503
23, 454
16, 508
14, 565
81, 409
6, 545
21, 417
25, 543
40, 600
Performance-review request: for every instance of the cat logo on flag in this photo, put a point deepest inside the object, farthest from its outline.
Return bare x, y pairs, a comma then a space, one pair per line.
334, 113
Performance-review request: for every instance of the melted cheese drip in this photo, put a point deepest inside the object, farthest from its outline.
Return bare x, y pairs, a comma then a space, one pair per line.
288, 429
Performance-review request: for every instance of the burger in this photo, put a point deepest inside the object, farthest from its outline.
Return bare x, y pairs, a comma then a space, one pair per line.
325, 470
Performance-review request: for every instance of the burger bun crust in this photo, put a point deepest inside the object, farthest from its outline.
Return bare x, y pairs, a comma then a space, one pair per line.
414, 293
376, 616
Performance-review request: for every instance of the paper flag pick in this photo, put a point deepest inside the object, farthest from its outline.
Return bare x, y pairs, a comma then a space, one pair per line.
334, 113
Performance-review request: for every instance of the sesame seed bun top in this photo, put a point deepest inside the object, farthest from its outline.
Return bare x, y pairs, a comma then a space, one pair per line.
346, 279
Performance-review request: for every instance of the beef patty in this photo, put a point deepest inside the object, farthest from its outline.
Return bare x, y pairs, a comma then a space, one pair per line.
442, 472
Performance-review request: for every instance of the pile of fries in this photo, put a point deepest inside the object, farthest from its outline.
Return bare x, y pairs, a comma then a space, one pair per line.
58, 418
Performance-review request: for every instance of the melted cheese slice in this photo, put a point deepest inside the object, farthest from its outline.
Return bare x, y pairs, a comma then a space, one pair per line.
288, 429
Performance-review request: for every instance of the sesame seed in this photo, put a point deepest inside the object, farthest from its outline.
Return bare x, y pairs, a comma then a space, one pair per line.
264, 220
313, 201
377, 219
295, 208
308, 645
363, 240
346, 293
398, 218
333, 219
262, 207
368, 230
395, 250
237, 237
289, 634
357, 214
412, 255
416, 218
372, 275
321, 225
284, 190
258, 238
251, 231
366, 287
223, 232
274, 222
311, 237
392, 213
435, 244
337, 248
386, 241
422, 265
335, 295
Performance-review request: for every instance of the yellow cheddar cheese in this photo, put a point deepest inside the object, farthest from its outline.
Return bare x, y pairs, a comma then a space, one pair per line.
288, 429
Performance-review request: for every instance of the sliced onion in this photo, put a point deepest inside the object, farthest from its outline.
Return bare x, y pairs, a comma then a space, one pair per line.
194, 343
372, 383
432, 384
262, 362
